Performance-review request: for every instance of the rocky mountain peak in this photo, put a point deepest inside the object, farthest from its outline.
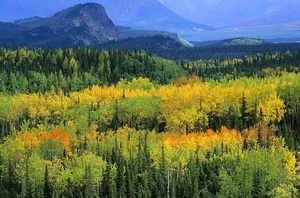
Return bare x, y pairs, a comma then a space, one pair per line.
86, 24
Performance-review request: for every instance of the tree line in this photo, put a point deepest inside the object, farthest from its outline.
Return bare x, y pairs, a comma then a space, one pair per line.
37, 70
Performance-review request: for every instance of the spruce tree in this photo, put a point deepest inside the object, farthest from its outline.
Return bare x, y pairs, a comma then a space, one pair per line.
47, 184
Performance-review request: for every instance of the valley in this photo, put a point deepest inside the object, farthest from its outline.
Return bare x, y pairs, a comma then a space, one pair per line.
135, 99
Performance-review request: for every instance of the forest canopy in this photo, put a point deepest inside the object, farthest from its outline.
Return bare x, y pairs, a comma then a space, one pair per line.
118, 123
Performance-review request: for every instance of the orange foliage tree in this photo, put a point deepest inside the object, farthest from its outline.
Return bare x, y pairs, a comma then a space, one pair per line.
180, 147
57, 135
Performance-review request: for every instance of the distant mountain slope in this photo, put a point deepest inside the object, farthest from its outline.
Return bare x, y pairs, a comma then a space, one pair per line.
148, 14
228, 13
254, 12
239, 41
83, 24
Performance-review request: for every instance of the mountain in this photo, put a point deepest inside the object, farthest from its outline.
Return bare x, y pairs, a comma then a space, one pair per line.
139, 14
83, 24
268, 19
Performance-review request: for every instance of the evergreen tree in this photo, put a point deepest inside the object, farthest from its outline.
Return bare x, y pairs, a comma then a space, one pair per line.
259, 185
244, 113
12, 186
47, 184
228, 188
88, 189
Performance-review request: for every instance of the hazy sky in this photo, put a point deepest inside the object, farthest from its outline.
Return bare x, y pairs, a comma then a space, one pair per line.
169, 2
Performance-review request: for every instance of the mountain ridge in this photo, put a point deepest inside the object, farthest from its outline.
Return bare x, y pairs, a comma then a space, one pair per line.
90, 16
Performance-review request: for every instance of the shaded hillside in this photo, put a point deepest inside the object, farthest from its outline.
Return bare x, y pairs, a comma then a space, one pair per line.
10, 30
27, 20
154, 44
169, 47
224, 52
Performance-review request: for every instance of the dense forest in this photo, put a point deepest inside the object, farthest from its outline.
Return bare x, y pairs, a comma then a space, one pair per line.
117, 123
